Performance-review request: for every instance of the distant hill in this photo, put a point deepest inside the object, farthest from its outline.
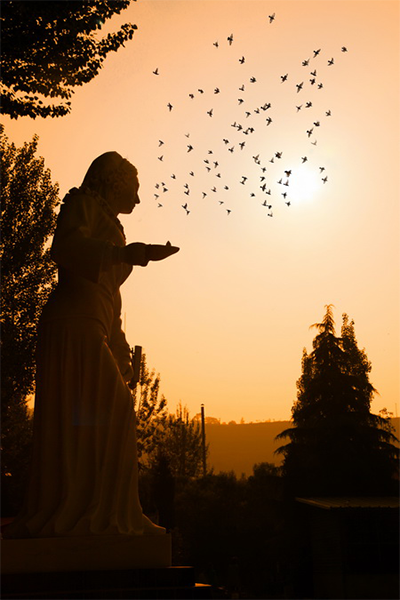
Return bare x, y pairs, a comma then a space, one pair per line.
237, 447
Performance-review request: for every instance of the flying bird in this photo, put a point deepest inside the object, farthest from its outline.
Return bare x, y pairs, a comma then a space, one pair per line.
344, 49
189, 148
269, 121
299, 107
330, 62
271, 17
210, 112
216, 44
304, 159
241, 60
284, 77
328, 113
305, 62
253, 79
230, 39
156, 71
325, 179
316, 52
299, 86
170, 107
217, 90
160, 143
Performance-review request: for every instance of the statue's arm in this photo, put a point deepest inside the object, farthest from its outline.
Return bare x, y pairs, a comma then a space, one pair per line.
118, 344
74, 246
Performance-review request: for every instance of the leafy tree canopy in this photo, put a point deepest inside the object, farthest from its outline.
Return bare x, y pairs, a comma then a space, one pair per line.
28, 201
337, 446
151, 412
49, 48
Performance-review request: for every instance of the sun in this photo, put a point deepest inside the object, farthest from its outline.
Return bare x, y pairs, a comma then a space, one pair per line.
304, 183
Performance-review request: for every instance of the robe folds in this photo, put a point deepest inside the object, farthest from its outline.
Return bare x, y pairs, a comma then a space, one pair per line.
84, 473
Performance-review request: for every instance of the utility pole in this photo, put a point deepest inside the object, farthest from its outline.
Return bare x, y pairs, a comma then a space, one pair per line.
203, 438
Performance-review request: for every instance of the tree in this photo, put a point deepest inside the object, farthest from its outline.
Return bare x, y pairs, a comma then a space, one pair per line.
28, 275
182, 445
49, 48
337, 446
151, 412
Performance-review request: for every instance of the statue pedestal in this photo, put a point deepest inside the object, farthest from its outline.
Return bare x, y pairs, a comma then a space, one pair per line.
95, 553
95, 567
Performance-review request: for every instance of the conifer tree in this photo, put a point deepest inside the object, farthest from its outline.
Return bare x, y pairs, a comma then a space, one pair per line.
337, 446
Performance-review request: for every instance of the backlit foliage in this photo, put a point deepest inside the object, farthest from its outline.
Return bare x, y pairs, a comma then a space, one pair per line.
50, 48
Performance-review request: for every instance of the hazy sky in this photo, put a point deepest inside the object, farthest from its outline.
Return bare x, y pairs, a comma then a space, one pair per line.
226, 319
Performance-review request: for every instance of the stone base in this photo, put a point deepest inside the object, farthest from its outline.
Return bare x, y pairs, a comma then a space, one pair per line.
139, 584
95, 553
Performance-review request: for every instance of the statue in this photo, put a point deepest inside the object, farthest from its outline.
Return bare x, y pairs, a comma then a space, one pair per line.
84, 473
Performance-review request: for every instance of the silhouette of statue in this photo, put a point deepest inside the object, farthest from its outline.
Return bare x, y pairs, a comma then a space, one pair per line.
84, 474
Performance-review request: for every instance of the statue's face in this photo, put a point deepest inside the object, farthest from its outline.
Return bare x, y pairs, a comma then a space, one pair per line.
127, 195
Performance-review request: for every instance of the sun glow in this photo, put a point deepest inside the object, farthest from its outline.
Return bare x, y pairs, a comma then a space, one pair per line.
304, 183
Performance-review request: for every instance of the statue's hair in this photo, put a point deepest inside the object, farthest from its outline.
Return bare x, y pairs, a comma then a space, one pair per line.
106, 170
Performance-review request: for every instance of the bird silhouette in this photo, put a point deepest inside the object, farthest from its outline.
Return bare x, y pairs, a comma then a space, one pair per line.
156, 71
284, 77
271, 17
228, 210
189, 148
230, 39
242, 60
160, 143
325, 179
210, 112
304, 159
308, 104
253, 79
216, 44
316, 52
331, 62
328, 113
305, 62
299, 86
344, 49
299, 107
217, 90
268, 120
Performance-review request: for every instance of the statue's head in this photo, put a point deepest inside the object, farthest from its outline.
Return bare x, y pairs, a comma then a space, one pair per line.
116, 179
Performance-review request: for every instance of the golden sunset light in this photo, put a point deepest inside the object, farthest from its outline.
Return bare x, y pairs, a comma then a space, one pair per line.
268, 152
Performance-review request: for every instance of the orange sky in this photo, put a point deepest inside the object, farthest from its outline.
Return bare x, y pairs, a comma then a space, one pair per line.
226, 319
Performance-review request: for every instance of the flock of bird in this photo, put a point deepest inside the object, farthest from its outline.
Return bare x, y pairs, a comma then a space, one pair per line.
236, 141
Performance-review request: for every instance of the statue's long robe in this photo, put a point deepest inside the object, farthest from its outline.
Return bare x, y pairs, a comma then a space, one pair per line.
84, 475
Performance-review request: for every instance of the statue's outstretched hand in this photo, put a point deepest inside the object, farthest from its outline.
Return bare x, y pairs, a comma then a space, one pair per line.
159, 251
140, 254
